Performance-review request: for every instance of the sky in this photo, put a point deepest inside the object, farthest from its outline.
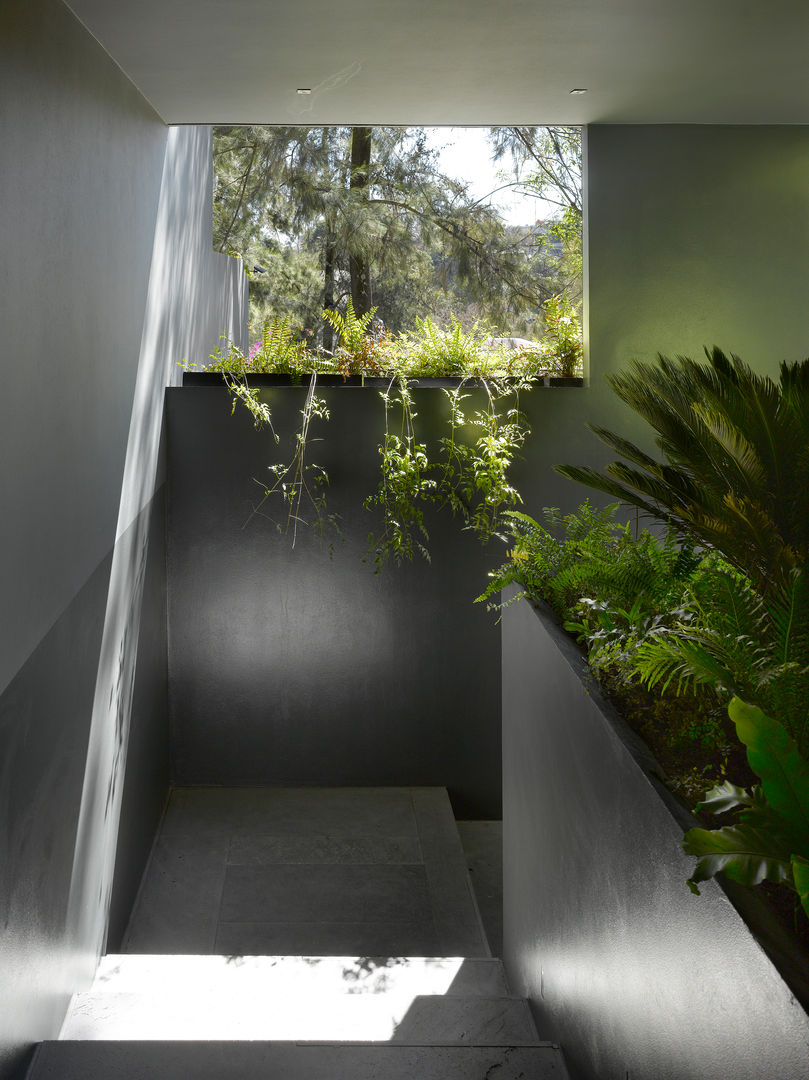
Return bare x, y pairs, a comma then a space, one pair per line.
466, 155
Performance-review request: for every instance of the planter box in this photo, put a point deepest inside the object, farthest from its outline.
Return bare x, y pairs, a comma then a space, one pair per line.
630, 972
214, 378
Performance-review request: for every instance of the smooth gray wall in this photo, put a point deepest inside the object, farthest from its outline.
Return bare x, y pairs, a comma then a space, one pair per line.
107, 279
629, 971
695, 236
300, 667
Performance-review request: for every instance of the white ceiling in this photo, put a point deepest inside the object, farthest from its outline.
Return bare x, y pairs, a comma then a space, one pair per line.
462, 61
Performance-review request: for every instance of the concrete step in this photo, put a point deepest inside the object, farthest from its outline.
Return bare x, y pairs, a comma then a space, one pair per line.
422, 1019
421, 1000
292, 1061
290, 975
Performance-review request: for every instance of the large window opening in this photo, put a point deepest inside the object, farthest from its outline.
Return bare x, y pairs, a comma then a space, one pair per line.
477, 228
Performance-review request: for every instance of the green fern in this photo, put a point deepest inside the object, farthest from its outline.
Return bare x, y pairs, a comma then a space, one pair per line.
735, 468
350, 328
734, 640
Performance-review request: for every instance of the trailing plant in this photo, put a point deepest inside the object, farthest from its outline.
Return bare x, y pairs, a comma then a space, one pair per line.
470, 475
770, 839
301, 483
467, 470
735, 474
406, 482
475, 472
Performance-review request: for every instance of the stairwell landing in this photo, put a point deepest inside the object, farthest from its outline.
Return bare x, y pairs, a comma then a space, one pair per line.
312, 933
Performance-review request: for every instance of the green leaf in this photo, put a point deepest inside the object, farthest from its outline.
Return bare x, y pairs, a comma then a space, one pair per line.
784, 774
727, 796
743, 852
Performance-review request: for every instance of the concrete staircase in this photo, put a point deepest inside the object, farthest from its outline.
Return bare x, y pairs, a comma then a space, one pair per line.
217, 1017
313, 1018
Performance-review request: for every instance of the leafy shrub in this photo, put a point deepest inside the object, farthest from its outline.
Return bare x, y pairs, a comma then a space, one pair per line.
770, 839
617, 590
729, 637
279, 349
564, 352
736, 470
432, 350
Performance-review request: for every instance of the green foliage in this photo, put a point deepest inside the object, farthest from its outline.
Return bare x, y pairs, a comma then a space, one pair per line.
470, 473
475, 473
406, 482
565, 352
568, 231
433, 350
468, 469
770, 839
301, 483
311, 218
280, 350
350, 328
729, 637
615, 589
589, 555
736, 470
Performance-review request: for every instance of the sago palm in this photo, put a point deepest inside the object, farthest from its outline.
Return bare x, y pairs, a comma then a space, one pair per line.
735, 468
732, 639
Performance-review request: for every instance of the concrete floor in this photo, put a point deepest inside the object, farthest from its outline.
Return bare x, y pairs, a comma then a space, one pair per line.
312, 871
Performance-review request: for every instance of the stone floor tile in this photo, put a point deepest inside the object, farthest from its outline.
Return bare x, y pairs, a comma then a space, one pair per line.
269, 850
177, 909
332, 893
328, 939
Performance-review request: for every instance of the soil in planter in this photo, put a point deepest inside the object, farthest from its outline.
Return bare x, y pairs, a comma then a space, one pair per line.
672, 728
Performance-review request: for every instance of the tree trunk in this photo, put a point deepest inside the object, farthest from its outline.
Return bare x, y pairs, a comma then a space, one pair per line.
329, 267
360, 168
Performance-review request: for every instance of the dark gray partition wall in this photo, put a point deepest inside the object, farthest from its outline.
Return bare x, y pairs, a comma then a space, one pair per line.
304, 666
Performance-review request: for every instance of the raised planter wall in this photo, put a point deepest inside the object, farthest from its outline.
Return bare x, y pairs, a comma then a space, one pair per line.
635, 977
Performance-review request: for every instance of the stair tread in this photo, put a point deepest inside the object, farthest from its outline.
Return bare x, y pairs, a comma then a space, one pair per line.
125, 973
322, 870
259, 1060
210, 1015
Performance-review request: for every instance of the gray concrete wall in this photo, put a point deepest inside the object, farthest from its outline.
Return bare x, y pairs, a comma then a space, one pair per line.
630, 972
107, 279
302, 666
695, 236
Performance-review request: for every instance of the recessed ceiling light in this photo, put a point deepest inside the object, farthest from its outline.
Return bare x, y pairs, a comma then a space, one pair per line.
579, 90
304, 90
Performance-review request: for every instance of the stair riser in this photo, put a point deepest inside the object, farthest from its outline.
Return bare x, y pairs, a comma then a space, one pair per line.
258, 1061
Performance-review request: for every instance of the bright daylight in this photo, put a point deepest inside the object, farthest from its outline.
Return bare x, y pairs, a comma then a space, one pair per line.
421, 230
